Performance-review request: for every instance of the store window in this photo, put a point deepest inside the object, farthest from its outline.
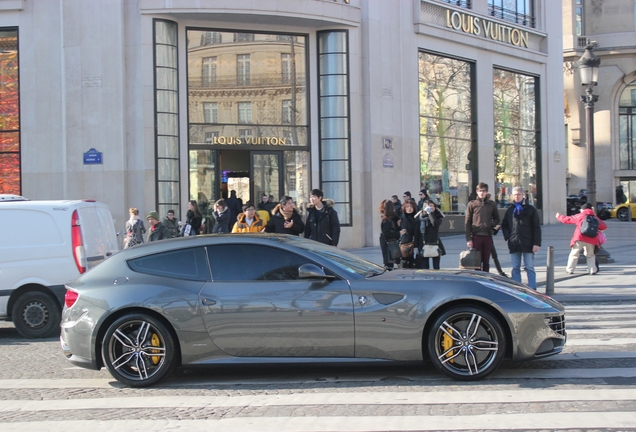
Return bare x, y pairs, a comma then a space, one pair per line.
627, 128
516, 135
166, 116
446, 129
517, 11
10, 170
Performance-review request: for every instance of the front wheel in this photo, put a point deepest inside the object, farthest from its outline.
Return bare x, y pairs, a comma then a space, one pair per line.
466, 343
138, 350
622, 214
36, 315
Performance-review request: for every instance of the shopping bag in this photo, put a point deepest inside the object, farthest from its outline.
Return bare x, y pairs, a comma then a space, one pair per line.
470, 259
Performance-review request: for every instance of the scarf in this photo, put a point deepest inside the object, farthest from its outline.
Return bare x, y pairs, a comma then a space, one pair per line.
286, 215
518, 211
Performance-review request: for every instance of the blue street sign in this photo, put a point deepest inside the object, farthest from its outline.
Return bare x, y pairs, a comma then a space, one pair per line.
92, 157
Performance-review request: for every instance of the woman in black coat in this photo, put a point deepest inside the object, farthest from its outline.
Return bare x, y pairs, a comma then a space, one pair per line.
389, 232
431, 219
221, 218
194, 217
409, 231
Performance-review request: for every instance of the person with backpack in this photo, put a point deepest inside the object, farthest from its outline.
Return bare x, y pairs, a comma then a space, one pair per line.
585, 237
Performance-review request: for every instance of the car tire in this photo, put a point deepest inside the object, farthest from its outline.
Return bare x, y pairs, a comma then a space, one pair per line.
36, 315
466, 343
621, 214
138, 350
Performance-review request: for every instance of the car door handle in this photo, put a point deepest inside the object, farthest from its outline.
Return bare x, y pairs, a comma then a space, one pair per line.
208, 302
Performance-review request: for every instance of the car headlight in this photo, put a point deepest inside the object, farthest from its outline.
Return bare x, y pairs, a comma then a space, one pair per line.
518, 294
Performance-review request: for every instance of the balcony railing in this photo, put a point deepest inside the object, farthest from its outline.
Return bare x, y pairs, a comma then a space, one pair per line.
461, 3
254, 81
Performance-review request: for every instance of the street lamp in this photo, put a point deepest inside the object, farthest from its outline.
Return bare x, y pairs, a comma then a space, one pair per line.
588, 68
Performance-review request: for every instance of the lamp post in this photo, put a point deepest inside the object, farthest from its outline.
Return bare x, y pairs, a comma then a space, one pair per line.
588, 68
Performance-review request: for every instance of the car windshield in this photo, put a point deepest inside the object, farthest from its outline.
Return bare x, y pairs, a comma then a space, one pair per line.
343, 259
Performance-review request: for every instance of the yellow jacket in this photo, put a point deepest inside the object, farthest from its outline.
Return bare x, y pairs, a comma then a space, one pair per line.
241, 227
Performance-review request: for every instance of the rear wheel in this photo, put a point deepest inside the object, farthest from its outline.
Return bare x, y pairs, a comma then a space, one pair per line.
466, 343
138, 350
36, 315
621, 214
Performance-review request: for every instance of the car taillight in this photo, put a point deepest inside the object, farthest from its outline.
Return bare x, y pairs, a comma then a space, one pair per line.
70, 298
78, 243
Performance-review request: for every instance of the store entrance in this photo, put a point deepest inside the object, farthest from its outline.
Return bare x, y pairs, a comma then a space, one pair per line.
251, 174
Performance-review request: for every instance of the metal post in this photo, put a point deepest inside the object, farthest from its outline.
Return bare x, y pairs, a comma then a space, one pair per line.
588, 100
549, 272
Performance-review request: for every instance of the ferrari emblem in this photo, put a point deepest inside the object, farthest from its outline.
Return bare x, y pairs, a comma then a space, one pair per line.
362, 300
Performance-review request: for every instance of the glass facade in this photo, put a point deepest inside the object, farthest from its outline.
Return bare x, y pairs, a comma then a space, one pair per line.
335, 137
247, 116
516, 135
10, 170
446, 129
167, 116
627, 128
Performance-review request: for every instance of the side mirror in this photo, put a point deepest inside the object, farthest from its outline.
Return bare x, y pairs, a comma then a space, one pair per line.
312, 271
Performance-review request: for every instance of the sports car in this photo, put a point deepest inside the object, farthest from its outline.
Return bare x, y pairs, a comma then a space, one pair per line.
621, 211
254, 298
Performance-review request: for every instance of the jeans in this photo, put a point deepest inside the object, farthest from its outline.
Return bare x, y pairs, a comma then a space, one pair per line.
528, 260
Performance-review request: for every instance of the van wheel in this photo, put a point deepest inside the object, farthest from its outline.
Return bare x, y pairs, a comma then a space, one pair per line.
36, 315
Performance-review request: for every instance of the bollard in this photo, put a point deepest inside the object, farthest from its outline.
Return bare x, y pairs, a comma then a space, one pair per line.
549, 272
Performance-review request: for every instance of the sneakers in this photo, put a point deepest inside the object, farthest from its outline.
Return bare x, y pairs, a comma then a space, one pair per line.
569, 272
593, 273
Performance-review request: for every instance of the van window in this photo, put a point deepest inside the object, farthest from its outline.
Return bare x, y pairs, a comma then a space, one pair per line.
18, 229
189, 264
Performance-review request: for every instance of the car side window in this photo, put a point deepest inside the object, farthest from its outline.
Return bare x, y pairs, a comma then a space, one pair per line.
241, 262
190, 264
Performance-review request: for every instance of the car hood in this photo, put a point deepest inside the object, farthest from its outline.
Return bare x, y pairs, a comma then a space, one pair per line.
470, 276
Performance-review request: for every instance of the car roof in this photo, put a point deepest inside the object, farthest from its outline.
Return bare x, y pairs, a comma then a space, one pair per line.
11, 197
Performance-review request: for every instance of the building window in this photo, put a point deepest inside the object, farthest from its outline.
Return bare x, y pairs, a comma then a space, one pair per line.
335, 138
243, 37
518, 11
627, 128
166, 116
461, 3
286, 67
245, 133
516, 135
210, 37
578, 16
287, 112
245, 112
210, 112
10, 169
243, 69
446, 130
208, 71
209, 137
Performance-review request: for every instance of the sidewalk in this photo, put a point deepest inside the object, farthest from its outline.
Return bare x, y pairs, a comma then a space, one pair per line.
615, 282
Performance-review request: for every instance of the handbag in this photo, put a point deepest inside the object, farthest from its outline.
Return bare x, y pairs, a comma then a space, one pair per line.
406, 250
430, 251
470, 259
130, 240
394, 250
185, 231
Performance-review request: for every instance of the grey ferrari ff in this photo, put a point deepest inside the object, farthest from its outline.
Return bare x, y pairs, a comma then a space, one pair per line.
267, 298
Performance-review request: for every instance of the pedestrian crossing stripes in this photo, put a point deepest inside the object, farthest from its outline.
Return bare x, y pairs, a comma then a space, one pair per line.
592, 385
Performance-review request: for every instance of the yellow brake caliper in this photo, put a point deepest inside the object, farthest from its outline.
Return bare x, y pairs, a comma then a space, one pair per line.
447, 343
154, 341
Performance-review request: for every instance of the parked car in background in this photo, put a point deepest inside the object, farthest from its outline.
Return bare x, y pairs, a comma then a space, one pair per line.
574, 203
43, 245
621, 211
268, 298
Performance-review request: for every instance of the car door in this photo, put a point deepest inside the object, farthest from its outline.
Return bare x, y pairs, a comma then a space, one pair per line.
257, 306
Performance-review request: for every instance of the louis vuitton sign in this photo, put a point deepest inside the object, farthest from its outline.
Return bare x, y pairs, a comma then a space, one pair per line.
479, 26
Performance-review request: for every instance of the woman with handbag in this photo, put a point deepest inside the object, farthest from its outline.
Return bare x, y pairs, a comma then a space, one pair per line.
431, 219
409, 234
389, 235
135, 229
193, 220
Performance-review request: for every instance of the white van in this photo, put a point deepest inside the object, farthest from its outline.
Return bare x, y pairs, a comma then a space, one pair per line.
43, 245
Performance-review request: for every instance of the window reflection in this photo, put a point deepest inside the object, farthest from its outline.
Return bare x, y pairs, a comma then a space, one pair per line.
446, 124
515, 135
10, 171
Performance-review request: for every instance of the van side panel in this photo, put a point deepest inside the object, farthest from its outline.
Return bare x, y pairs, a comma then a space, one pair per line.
98, 231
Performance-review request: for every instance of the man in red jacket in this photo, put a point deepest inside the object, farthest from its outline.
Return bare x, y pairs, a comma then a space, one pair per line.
581, 242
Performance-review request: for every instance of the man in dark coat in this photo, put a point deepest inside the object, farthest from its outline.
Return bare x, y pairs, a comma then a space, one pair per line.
423, 199
285, 218
266, 204
482, 217
397, 205
234, 207
157, 230
521, 228
322, 223
172, 224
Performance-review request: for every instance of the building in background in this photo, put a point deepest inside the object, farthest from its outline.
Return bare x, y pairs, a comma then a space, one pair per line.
151, 103
612, 25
